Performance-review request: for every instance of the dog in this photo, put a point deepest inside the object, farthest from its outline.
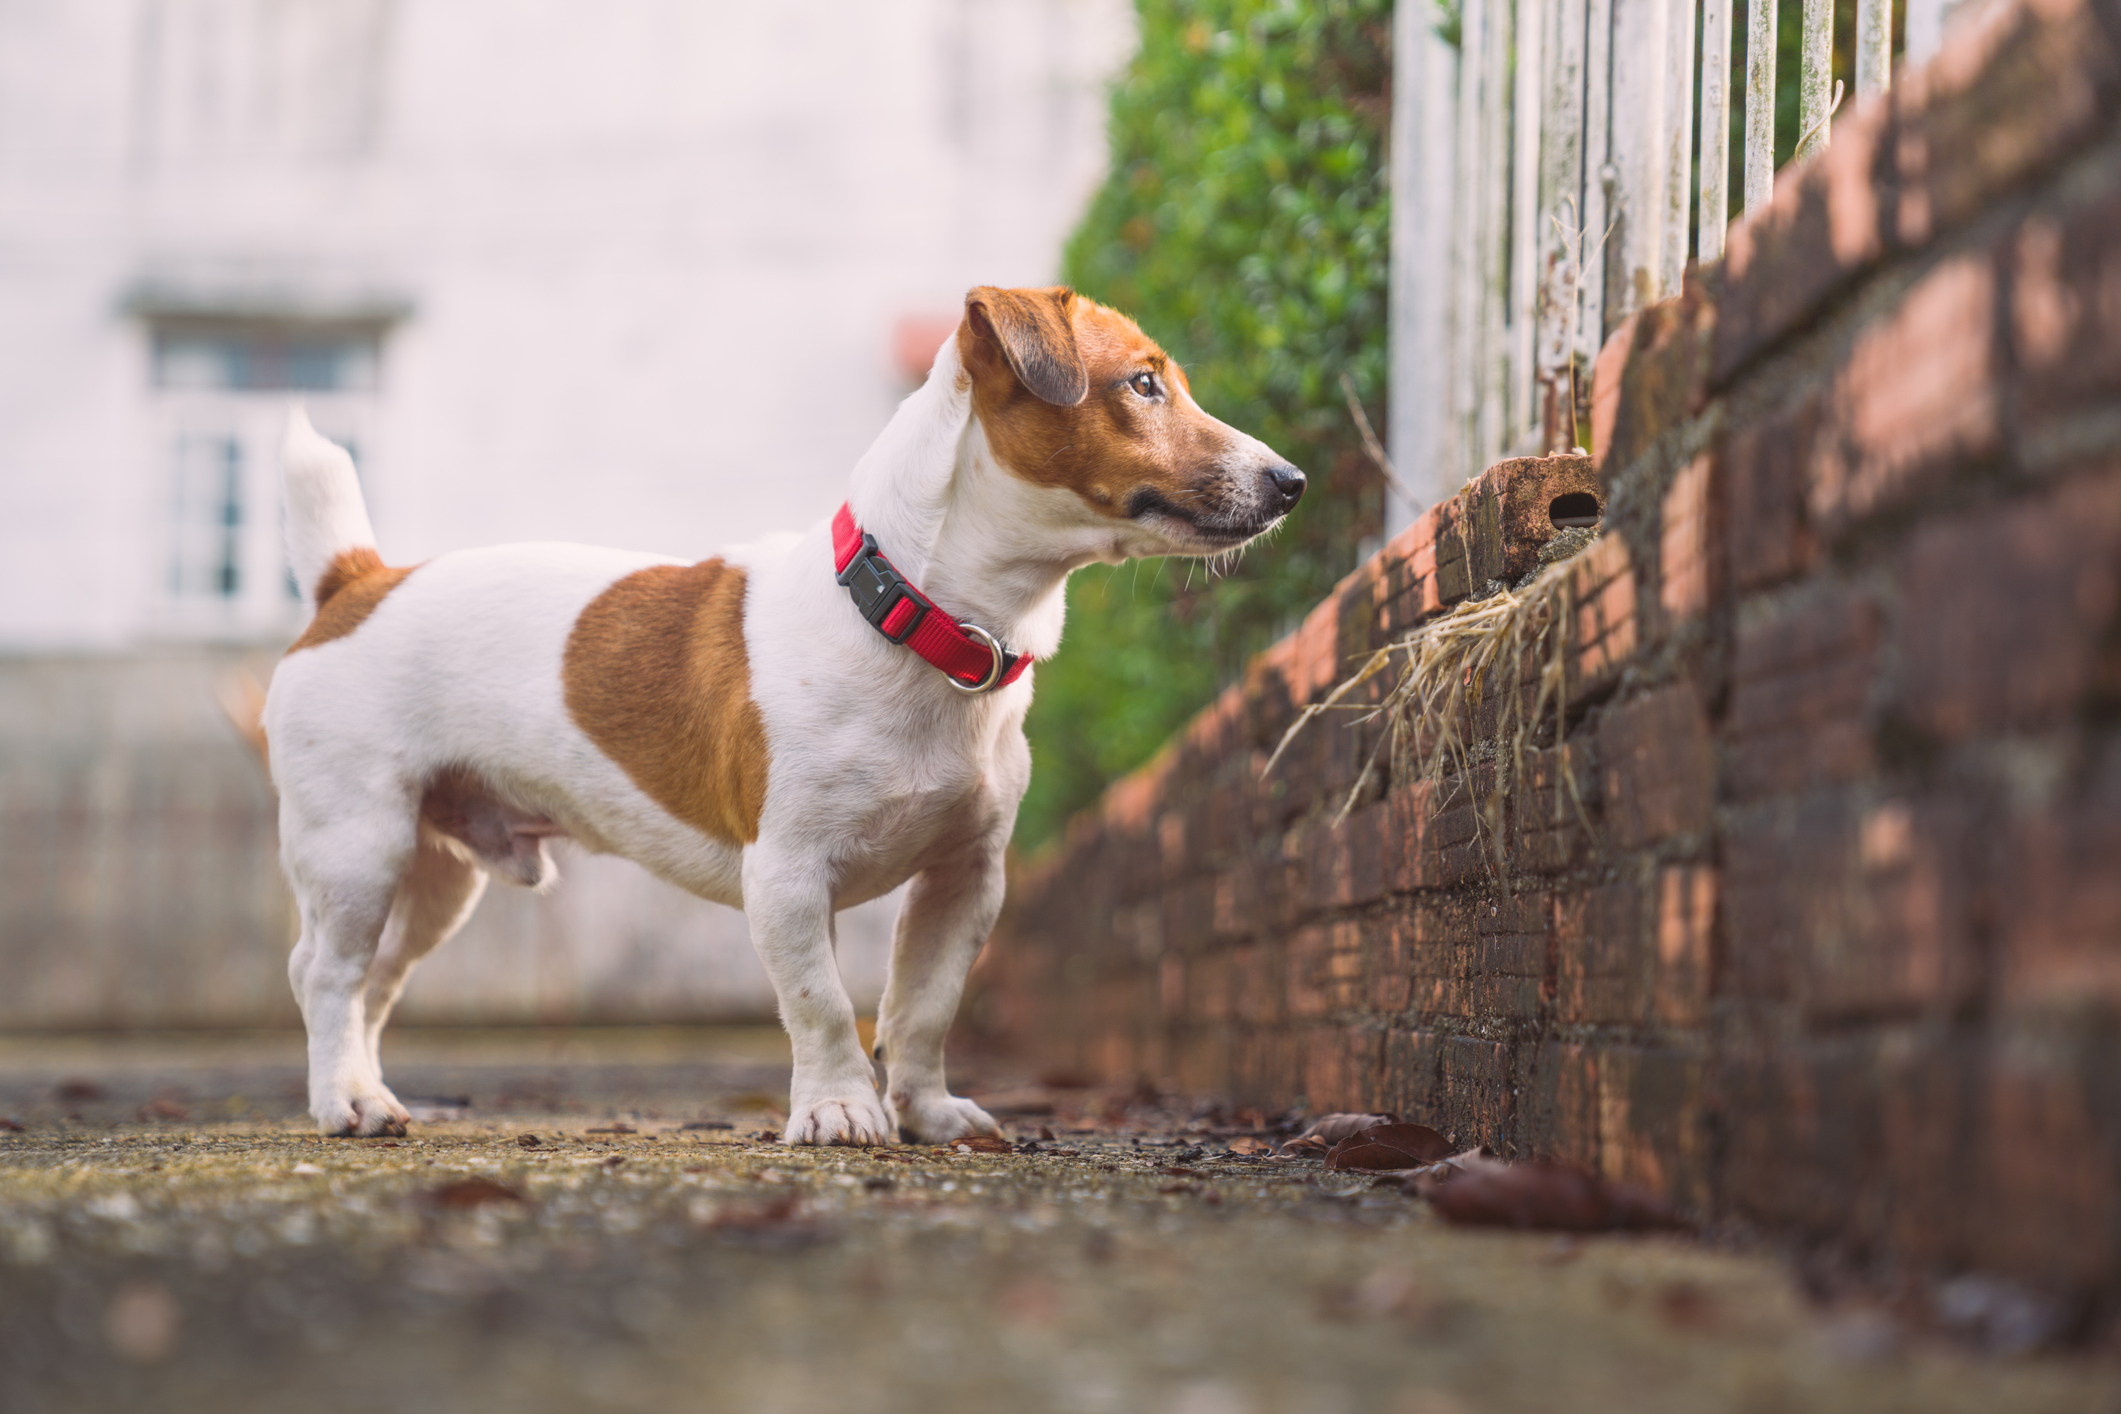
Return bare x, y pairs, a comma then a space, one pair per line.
792, 727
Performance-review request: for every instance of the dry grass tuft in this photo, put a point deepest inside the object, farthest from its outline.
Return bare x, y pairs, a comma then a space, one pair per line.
1448, 665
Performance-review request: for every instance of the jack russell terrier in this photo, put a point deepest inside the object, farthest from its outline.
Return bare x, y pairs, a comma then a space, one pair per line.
792, 727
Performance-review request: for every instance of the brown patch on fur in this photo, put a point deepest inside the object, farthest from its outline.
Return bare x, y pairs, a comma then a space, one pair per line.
657, 676
1113, 445
347, 593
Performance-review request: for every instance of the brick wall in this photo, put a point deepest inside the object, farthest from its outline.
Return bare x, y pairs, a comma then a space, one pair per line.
1834, 946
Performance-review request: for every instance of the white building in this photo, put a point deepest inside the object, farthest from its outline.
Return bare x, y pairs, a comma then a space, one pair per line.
634, 273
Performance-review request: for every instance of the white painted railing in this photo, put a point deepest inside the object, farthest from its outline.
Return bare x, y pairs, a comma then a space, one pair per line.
1545, 187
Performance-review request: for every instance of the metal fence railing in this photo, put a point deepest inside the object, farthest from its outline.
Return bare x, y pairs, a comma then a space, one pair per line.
1545, 186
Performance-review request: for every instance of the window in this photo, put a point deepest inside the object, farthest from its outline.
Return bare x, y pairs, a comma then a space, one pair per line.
266, 359
222, 386
207, 558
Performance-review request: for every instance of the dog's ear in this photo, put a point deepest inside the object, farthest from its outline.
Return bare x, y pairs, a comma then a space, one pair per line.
1035, 332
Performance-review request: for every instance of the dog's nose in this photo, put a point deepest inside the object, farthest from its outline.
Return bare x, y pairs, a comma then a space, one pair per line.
1288, 486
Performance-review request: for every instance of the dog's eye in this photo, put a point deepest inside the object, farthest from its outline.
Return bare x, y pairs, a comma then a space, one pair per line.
1144, 384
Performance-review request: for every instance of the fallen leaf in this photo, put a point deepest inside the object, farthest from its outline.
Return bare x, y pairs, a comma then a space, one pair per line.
1389, 1146
79, 1090
1539, 1194
468, 1193
611, 1164
10, 1126
161, 1109
708, 1124
1335, 1127
877, 1183
766, 1136
615, 1127
982, 1144
529, 1141
1250, 1147
1171, 1188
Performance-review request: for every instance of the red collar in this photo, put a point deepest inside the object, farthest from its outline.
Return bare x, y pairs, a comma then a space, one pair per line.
969, 656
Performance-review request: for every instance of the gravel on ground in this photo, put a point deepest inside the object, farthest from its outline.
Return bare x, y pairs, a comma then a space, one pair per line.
601, 1220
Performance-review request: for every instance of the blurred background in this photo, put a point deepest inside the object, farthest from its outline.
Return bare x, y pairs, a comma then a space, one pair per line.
650, 273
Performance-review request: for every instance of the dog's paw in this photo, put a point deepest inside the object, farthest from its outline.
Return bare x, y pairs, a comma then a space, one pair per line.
940, 1118
366, 1115
856, 1119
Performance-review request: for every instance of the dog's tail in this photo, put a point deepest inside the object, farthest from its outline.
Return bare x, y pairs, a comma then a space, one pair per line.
326, 516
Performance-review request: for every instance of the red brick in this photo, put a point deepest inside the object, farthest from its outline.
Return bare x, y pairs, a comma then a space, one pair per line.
1801, 684
1563, 1122
1783, 263
1340, 1067
2059, 903
1686, 919
2003, 610
1687, 575
1550, 819
1650, 1121
2066, 311
1604, 633
2048, 1160
1766, 536
1473, 1101
1663, 383
1659, 765
1916, 399
1607, 373
2014, 93
1853, 911
1604, 973
1408, 1085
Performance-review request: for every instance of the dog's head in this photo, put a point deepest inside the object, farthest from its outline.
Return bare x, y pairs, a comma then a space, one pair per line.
1074, 398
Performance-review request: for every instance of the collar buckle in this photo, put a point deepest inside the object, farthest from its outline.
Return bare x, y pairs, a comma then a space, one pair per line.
881, 593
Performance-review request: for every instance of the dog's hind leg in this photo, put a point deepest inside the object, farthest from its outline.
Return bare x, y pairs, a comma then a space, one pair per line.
345, 864
946, 917
437, 895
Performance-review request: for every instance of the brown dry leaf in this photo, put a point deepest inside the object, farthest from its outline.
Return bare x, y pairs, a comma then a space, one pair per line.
77, 1090
1389, 1146
10, 1126
468, 1193
161, 1109
1333, 1128
1538, 1194
981, 1144
615, 1127
1250, 1147
529, 1141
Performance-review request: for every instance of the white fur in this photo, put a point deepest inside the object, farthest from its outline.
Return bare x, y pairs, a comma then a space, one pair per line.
325, 513
880, 771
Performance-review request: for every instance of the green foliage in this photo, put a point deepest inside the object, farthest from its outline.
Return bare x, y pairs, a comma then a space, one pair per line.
1246, 226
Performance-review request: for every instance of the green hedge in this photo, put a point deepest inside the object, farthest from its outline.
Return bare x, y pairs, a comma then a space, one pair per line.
1246, 226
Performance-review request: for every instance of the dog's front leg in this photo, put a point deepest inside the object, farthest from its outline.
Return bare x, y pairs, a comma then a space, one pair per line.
947, 915
833, 1098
